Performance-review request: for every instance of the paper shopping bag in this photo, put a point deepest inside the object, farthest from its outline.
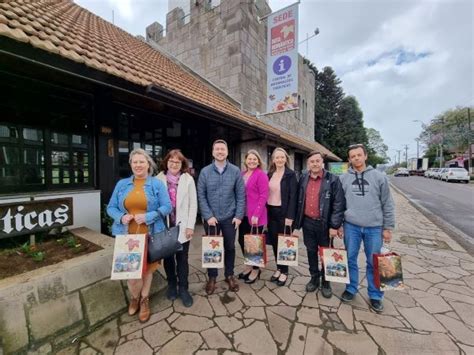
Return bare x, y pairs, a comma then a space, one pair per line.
335, 264
130, 257
287, 250
388, 274
213, 252
255, 251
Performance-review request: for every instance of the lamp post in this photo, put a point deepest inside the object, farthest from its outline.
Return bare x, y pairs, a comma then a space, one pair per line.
308, 37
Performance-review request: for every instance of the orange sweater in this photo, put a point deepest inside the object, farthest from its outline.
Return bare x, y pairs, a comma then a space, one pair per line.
136, 203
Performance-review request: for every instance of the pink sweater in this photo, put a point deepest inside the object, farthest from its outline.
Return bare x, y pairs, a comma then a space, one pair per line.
256, 191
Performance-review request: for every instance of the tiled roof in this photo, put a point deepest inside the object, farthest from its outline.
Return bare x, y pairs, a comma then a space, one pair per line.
66, 29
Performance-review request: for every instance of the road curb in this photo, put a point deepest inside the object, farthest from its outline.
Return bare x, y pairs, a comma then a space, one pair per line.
454, 233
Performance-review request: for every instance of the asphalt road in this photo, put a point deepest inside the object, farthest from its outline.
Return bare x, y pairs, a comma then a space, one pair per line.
452, 202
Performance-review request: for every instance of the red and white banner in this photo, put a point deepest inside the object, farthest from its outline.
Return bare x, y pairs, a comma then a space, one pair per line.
282, 60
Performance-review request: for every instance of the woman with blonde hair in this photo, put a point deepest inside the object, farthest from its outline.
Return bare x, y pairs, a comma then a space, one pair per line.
139, 205
282, 198
182, 191
256, 192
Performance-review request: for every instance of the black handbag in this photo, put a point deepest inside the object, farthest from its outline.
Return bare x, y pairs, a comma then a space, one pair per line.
163, 244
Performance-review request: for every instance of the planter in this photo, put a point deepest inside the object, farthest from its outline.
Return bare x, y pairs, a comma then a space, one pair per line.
51, 306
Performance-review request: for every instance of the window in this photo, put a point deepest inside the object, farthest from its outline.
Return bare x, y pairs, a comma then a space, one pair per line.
35, 159
134, 133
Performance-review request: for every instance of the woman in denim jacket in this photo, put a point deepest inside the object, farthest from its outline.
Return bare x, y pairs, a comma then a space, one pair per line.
139, 205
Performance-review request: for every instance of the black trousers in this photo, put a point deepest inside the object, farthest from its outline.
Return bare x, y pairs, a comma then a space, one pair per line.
228, 232
313, 237
276, 225
245, 228
177, 268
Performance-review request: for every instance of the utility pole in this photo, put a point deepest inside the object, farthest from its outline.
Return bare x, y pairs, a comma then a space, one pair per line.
441, 155
406, 154
398, 150
469, 160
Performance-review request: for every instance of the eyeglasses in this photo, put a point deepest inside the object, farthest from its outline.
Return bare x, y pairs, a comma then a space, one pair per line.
175, 162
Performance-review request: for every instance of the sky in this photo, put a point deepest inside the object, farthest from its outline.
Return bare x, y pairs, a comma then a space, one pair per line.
403, 60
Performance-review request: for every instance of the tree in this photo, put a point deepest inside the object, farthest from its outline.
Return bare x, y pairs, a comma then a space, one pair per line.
348, 127
338, 119
328, 97
377, 149
450, 130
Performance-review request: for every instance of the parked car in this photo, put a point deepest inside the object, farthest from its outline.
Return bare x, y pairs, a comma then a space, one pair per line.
429, 173
455, 174
436, 173
402, 172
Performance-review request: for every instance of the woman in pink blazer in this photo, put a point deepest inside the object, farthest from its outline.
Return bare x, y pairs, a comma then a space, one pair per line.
256, 189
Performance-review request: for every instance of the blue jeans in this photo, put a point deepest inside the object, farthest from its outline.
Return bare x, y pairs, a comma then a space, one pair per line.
372, 238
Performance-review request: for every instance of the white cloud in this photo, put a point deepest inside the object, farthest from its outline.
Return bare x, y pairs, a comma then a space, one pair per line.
355, 32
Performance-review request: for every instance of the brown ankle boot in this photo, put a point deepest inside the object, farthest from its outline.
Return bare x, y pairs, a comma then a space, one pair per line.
144, 314
134, 305
211, 285
232, 282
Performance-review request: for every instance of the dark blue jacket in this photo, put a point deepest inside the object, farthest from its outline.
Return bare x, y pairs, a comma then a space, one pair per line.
331, 201
221, 195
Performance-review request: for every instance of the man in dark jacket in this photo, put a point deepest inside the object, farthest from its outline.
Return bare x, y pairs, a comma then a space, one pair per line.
320, 213
221, 196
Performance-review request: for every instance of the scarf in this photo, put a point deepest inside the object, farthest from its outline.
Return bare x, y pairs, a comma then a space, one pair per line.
172, 181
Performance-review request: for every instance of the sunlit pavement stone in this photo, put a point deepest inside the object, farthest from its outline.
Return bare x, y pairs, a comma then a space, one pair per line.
434, 314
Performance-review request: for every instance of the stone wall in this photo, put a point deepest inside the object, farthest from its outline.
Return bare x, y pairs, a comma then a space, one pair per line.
227, 46
43, 310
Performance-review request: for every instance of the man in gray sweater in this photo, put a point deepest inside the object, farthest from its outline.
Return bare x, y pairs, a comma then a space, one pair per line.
221, 196
369, 218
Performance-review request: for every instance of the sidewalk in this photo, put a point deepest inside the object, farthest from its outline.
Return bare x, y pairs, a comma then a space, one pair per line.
434, 315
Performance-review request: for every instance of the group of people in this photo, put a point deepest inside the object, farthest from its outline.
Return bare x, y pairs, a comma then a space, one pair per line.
357, 206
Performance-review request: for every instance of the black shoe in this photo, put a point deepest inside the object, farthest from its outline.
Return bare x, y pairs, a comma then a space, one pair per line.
376, 305
251, 281
274, 277
243, 276
282, 283
185, 297
326, 289
171, 293
347, 296
313, 284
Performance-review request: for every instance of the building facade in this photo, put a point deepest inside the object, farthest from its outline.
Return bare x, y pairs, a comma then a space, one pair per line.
225, 43
78, 94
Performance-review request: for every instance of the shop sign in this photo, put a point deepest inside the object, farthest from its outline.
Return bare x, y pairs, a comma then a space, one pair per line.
282, 60
29, 217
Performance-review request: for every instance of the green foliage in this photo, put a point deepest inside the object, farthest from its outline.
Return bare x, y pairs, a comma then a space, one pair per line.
106, 219
328, 97
449, 129
25, 248
377, 149
38, 256
348, 127
71, 242
339, 119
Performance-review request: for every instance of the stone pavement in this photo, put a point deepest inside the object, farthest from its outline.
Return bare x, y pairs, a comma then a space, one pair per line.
434, 315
